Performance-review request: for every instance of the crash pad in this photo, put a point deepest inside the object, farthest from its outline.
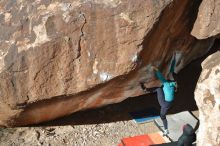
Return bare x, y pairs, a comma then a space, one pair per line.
140, 140
145, 115
176, 122
144, 140
158, 138
166, 144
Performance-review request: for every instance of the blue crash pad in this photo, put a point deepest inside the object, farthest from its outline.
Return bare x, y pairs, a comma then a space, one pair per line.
145, 115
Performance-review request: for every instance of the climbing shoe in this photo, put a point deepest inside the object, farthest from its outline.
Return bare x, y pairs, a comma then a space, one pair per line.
165, 132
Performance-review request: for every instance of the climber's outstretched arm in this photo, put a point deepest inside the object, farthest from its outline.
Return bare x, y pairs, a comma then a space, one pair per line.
159, 74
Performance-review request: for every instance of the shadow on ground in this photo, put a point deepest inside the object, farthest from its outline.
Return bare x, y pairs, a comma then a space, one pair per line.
187, 79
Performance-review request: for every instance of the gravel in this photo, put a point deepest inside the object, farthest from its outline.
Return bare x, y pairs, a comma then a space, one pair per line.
106, 134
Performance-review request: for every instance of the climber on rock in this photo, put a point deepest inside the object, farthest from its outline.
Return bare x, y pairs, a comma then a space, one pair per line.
165, 96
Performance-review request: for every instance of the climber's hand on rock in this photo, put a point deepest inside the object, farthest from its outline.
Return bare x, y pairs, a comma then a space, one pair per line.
143, 87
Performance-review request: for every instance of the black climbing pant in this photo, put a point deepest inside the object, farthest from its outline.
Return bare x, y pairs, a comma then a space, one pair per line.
164, 106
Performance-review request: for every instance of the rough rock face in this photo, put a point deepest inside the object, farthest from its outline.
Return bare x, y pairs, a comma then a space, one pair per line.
207, 23
207, 95
58, 57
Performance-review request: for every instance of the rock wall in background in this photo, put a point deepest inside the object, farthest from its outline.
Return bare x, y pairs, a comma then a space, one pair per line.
207, 93
207, 23
207, 96
58, 57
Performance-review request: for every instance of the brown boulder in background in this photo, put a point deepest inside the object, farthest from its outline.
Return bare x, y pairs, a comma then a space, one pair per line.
207, 23
60, 57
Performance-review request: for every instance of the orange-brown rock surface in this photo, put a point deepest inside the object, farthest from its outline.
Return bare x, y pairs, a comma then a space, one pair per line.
207, 23
207, 96
58, 57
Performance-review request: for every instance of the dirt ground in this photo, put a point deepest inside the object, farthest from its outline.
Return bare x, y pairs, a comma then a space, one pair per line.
93, 134
105, 126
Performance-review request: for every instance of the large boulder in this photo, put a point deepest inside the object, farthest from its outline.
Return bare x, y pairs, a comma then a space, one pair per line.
60, 57
207, 96
207, 23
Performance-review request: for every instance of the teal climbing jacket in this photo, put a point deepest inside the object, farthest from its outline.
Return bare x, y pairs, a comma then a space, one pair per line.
168, 87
